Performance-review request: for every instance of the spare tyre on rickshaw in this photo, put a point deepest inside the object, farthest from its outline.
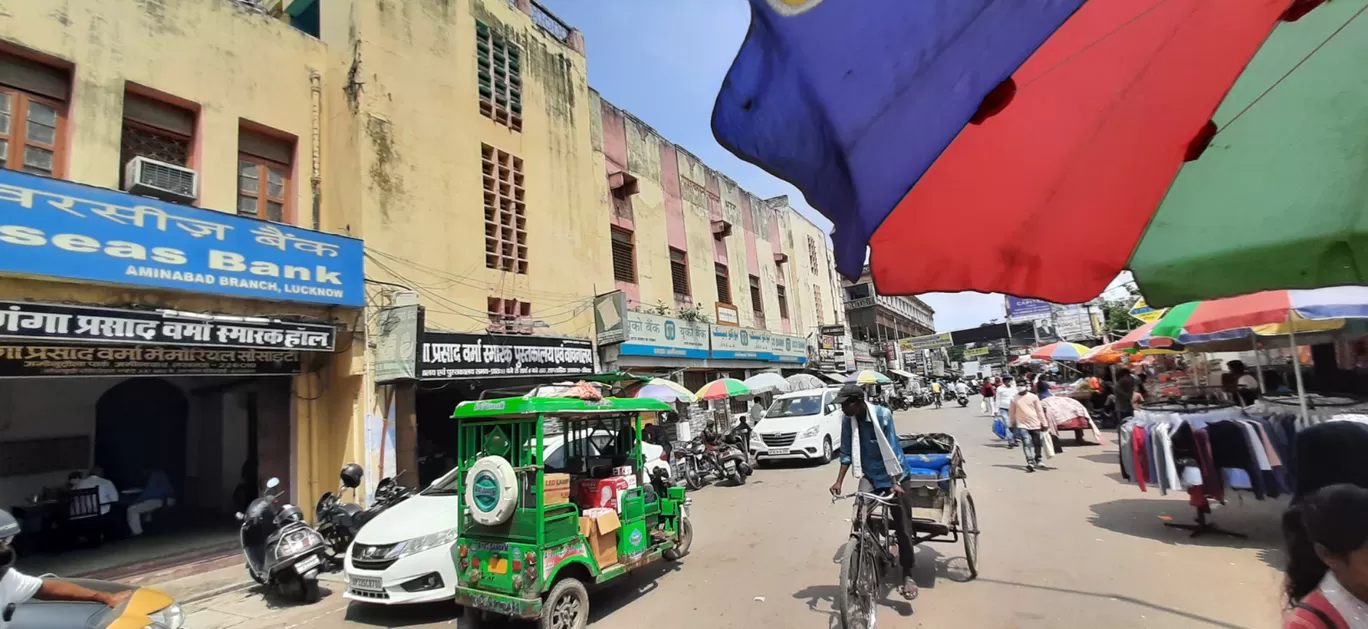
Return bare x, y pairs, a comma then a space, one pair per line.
534, 534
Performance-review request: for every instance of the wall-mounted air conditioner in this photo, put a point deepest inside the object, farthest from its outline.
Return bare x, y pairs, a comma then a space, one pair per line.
161, 180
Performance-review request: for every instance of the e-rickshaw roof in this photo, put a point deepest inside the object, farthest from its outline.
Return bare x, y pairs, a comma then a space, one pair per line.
526, 406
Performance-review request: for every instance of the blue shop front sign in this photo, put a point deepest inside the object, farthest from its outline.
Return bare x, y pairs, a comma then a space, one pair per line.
56, 228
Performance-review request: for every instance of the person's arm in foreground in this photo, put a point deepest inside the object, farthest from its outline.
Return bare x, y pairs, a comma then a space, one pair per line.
59, 590
846, 438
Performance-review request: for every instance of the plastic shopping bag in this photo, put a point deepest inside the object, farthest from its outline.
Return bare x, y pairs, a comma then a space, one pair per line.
1000, 428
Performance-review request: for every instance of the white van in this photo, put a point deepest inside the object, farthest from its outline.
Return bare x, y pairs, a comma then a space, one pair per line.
800, 425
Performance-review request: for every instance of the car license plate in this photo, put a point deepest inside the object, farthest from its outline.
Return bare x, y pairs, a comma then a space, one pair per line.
304, 565
366, 583
778, 451
498, 565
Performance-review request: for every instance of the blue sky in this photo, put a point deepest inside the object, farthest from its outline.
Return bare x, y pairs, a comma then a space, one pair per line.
663, 60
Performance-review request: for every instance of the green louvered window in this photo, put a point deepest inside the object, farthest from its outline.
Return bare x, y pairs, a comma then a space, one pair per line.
498, 67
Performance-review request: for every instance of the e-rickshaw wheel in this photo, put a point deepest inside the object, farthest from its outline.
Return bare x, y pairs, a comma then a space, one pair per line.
969, 530
566, 606
685, 541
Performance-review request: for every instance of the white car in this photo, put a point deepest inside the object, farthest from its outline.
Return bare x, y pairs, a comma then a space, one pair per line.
404, 555
799, 425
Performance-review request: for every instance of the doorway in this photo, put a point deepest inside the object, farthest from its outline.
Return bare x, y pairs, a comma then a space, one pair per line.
140, 425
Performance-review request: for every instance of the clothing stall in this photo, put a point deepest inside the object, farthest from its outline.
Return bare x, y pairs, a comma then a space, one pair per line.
1212, 451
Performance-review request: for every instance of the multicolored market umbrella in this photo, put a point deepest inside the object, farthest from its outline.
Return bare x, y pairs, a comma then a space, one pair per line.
852, 101
768, 382
722, 389
1060, 351
868, 376
665, 391
1106, 354
1260, 309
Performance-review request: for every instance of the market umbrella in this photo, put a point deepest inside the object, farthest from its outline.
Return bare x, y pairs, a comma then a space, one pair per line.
723, 388
665, 391
1024, 360
804, 381
1060, 351
1262, 308
768, 382
868, 376
1106, 354
1106, 112
852, 101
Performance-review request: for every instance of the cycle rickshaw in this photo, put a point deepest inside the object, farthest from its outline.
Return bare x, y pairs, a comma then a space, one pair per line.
942, 511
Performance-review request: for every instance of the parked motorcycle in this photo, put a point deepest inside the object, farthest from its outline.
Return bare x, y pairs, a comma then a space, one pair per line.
282, 550
738, 439
722, 461
897, 403
922, 398
339, 521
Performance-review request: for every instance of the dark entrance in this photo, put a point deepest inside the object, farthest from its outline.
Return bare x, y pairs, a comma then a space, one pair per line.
140, 425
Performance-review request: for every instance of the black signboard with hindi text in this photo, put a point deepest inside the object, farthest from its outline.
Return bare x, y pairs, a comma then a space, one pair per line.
26, 360
68, 323
453, 355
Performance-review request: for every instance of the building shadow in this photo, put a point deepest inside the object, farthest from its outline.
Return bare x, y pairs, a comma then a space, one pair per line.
1117, 597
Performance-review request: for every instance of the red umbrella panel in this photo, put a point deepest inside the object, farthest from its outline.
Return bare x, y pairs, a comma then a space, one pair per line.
1058, 187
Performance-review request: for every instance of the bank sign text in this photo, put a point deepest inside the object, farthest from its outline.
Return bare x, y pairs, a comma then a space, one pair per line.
57, 228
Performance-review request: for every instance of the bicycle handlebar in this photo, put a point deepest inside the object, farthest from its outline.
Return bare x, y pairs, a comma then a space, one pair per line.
885, 500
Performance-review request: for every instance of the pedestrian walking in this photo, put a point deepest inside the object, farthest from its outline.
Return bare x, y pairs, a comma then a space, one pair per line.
986, 403
1027, 420
1004, 396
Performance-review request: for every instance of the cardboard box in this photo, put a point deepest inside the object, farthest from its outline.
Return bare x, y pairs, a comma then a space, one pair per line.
594, 493
599, 527
557, 489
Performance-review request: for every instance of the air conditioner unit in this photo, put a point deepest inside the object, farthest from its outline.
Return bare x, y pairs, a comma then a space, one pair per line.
161, 180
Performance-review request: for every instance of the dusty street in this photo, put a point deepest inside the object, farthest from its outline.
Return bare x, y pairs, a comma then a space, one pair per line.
1066, 547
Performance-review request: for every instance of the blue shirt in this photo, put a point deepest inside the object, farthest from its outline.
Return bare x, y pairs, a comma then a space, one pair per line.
158, 487
871, 459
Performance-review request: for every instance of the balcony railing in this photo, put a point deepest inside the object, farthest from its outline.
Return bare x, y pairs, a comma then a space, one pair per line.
550, 23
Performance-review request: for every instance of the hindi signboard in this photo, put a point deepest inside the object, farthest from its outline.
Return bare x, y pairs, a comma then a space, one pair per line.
654, 335
30, 360
62, 229
930, 341
456, 355
60, 322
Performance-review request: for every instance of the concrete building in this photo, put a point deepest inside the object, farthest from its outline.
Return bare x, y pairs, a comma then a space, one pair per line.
454, 137
879, 318
724, 276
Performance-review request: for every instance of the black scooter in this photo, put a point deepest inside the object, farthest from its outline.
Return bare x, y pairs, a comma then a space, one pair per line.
963, 400
282, 550
338, 522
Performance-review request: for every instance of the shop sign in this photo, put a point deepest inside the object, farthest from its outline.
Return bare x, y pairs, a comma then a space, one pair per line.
1022, 308
450, 355
727, 314
654, 335
61, 229
57, 322
610, 321
930, 341
1072, 323
740, 343
1143, 312
396, 343
856, 304
975, 351
832, 330
25, 360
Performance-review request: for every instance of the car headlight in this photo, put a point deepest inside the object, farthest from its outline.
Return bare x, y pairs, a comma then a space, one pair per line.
170, 617
810, 432
420, 544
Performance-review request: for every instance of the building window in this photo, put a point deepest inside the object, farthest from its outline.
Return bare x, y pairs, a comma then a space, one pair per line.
757, 300
33, 103
812, 254
505, 211
156, 130
624, 256
783, 301
499, 71
723, 283
263, 175
817, 303
509, 316
679, 273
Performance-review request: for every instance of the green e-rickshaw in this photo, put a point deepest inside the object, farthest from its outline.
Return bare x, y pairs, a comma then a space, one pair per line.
524, 549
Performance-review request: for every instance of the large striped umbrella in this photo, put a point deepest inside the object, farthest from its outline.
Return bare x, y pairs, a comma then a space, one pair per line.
723, 388
1106, 354
1060, 351
665, 391
868, 376
1259, 309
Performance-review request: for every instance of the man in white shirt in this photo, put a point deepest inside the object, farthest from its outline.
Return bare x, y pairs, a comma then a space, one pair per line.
961, 388
16, 588
1004, 396
108, 493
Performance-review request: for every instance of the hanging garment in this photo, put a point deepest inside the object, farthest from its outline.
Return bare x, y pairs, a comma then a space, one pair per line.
1231, 448
1140, 455
1124, 452
1211, 477
1330, 453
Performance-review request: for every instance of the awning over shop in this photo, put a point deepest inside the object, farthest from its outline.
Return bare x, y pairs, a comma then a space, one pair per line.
834, 377
902, 373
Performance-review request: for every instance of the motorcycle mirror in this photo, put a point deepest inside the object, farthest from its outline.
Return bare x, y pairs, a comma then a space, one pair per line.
240, 516
273, 483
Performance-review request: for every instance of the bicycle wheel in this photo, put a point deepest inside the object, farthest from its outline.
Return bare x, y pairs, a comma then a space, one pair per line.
859, 585
969, 530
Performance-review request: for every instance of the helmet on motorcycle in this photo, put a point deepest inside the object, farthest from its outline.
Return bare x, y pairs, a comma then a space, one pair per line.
351, 475
9, 528
291, 513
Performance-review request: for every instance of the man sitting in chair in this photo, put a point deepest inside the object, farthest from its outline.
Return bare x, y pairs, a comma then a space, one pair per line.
108, 494
156, 493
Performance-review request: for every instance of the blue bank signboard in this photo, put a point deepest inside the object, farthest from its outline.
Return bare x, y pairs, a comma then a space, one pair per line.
56, 228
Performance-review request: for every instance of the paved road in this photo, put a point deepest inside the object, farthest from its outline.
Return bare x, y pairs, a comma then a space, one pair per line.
1066, 547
